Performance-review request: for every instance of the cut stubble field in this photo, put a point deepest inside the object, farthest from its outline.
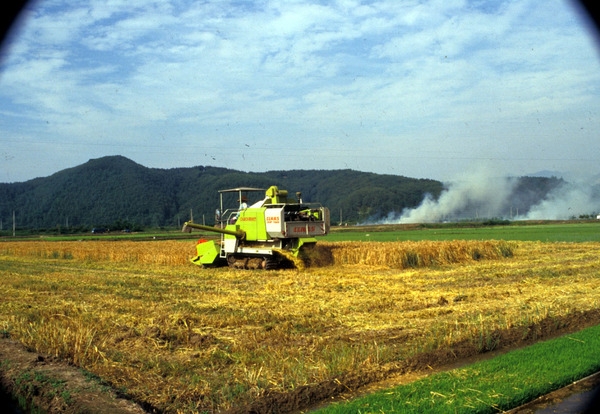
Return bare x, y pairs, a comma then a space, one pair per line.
177, 338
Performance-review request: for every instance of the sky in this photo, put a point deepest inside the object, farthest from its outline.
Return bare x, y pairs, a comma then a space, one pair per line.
424, 88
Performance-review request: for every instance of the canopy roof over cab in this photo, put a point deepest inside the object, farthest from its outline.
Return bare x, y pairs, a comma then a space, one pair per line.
235, 190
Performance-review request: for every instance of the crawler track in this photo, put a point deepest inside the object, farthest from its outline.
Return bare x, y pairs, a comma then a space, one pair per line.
280, 259
310, 255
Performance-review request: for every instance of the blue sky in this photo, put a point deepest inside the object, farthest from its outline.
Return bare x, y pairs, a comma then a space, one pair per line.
424, 89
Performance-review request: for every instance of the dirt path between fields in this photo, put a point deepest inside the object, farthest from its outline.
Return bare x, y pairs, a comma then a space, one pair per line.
48, 385
52, 386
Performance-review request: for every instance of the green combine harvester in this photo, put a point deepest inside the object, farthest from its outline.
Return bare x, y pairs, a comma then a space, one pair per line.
274, 232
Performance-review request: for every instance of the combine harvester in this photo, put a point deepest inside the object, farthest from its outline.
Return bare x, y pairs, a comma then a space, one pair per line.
275, 232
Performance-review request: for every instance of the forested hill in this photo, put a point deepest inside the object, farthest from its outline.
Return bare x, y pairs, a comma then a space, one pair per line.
115, 191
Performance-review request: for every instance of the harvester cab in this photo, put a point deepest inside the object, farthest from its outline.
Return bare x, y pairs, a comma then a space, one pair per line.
274, 231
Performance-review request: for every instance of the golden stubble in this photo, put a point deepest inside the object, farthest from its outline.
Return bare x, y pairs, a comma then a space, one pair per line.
181, 338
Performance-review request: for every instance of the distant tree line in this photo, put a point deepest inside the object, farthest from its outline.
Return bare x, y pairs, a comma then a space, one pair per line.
117, 193
110, 191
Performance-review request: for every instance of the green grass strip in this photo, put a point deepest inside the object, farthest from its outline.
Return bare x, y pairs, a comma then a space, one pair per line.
569, 232
490, 386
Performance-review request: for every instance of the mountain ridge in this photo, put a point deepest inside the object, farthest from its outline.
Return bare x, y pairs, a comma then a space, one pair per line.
114, 188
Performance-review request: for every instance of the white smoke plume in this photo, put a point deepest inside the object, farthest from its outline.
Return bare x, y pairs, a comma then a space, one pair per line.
474, 195
565, 202
480, 195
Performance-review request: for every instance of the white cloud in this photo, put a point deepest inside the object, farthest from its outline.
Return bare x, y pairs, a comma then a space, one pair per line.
397, 86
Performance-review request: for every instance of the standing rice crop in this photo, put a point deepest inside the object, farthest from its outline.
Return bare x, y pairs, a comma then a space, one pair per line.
397, 255
407, 254
162, 252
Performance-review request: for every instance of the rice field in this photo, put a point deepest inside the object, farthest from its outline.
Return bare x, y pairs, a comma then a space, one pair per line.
181, 339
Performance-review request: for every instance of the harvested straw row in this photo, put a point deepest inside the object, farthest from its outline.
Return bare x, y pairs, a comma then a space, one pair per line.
408, 254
